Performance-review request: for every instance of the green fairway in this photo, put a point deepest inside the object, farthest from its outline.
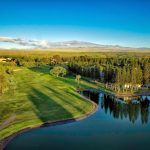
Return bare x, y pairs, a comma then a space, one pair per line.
38, 98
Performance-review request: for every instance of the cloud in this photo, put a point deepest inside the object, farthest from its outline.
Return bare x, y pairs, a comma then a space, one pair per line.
23, 42
43, 44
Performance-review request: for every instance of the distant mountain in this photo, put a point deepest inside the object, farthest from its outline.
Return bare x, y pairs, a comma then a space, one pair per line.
82, 44
19, 43
71, 44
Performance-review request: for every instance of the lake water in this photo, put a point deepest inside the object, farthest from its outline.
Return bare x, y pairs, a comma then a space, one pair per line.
117, 125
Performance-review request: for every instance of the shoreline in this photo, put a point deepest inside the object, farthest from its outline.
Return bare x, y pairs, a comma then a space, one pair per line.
142, 93
4, 142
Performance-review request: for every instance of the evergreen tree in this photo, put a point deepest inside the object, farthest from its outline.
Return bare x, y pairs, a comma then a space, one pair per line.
146, 73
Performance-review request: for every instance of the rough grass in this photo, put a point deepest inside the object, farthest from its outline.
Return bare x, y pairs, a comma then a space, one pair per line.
38, 98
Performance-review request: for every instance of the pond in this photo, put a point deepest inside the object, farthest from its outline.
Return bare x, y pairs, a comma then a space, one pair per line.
118, 124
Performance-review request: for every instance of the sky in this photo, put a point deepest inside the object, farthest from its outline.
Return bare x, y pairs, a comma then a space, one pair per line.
110, 22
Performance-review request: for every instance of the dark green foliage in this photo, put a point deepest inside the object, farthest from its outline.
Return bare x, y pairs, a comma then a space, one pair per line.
146, 73
122, 73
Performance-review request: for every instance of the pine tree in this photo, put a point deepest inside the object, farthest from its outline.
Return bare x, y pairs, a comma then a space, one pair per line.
146, 73
118, 79
139, 75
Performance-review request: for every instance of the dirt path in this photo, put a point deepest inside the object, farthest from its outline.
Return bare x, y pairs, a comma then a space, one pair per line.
8, 121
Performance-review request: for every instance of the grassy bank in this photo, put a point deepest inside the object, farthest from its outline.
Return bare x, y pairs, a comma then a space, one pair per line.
38, 98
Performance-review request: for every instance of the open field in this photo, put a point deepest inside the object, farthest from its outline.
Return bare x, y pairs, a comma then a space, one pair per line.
74, 52
39, 98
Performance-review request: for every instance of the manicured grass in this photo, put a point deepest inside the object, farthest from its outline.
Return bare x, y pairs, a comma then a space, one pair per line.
38, 98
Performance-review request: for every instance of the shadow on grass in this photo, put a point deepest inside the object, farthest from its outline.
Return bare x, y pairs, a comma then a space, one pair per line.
41, 69
67, 98
46, 108
71, 81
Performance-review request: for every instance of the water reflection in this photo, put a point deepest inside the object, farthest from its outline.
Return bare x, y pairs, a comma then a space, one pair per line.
134, 109
94, 96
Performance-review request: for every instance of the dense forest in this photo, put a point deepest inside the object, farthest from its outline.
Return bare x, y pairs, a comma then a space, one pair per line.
120, 72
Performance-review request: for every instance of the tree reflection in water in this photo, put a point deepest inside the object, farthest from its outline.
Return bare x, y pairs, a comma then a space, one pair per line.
120, 109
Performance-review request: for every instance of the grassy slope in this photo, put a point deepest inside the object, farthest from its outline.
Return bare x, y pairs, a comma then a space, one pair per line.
40, 98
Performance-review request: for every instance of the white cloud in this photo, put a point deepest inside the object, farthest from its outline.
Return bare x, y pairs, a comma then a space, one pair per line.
23, 42
43, 44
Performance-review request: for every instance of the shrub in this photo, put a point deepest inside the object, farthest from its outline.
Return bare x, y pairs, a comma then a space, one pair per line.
58, 71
